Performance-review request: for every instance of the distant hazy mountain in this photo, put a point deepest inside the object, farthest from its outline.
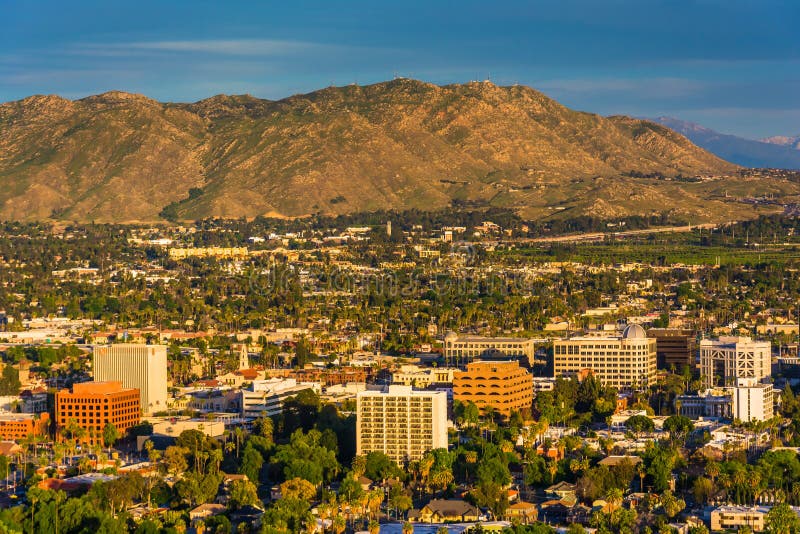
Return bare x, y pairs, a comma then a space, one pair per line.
739, 150
784, 140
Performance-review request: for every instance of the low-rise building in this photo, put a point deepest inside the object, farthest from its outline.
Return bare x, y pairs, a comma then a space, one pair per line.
459, 350
16, 426
716, 403
412, 375
735, 517
266, 397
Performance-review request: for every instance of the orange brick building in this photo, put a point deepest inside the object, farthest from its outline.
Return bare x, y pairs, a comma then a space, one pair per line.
93, 404
503, 386
16, 426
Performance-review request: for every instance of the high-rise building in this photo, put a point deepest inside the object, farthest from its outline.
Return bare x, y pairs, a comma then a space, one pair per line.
91, 405
627, 361
675, 347
402, 423
752, 400
504, 387
143, 367
724, 360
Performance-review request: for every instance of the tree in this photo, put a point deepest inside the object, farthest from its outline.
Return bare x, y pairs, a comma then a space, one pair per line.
703, 489
110, 435
297, 488
9, 381
678, 426
263, 426
305, 458
251, 463
781, 519
639, 423
671, 504
662, 462
614, 498
175, 459
243, 493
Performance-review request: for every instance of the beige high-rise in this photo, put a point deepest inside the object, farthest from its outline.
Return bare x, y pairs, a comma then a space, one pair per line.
627, 361
401, 423
139, 366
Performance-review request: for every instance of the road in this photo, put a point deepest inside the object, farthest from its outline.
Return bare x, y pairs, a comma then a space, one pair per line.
599, 236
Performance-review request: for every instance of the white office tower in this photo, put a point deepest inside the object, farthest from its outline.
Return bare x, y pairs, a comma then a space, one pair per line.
725, 360
401, 423
137, 366
753, 401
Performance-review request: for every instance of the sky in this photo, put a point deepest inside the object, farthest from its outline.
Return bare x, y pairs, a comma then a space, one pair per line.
730, 65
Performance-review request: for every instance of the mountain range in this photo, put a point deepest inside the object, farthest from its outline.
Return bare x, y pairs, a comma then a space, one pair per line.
778, 152
122, 157
784, 140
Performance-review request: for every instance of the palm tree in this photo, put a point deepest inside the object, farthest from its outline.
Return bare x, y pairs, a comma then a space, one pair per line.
408, 528
641, 470
216, 456
712, 470
725, 481
614, 498
552, 467
739, 479
338, 524
441, 478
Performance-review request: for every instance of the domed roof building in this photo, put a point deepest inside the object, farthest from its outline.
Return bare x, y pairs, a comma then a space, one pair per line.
634, 331
626, 361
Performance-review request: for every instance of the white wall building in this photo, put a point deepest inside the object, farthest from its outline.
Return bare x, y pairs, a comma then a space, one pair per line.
724, 360
267, 396
137, 366
401, 422
753, 401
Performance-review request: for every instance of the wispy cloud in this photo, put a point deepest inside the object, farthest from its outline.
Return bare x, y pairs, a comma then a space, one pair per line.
661, 87
224, 47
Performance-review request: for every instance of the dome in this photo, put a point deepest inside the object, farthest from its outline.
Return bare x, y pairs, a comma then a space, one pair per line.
451, 336
634, 331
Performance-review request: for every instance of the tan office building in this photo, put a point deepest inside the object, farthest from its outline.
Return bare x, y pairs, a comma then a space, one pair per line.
461, 349
143, 367
626, 362
503, 386
402, 423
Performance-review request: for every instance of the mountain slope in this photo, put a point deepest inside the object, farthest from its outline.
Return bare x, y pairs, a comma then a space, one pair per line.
745, 152
397, 144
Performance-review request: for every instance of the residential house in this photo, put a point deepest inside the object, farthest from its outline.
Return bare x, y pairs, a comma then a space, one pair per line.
447, 511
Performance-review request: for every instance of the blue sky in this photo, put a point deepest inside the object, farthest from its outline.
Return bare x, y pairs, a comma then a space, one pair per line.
730, 65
